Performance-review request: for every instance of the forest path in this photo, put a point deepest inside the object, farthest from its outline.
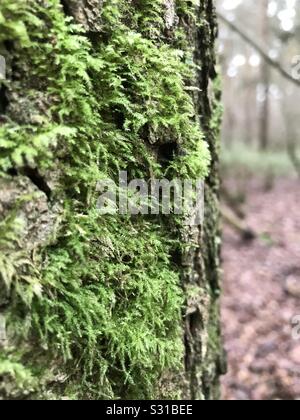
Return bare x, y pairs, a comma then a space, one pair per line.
262, 295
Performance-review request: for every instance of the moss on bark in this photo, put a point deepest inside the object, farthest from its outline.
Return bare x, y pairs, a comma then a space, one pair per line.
106, 307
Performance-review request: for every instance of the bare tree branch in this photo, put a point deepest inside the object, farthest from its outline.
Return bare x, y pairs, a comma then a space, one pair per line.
273, 63
231, 219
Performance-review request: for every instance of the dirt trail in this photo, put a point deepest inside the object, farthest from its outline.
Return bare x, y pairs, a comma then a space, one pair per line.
261, 296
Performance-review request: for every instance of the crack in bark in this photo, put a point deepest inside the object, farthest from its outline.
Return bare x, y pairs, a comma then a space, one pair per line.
38, 180
35, 177
3, 100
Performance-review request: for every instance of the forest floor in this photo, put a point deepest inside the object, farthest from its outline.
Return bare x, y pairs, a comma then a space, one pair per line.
262, 295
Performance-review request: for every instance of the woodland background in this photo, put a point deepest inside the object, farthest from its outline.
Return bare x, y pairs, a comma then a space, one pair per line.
260, 174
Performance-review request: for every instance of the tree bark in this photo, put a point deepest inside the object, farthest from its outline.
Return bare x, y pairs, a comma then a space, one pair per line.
54, 262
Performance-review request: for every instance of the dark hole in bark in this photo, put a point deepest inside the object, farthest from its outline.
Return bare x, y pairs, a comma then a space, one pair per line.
38, 180
118, 118
66, 7
176, 257
127, 259
167, 151
195, 323
12, 172
187, 356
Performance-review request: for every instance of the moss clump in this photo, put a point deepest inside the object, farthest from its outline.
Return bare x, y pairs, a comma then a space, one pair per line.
95, 313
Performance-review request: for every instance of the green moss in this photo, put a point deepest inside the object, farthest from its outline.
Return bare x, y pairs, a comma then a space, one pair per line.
98, 310
16, 379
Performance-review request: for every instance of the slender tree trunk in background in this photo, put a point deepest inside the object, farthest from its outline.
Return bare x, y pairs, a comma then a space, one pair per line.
249, 104
291, 136
107, 306
265, 109
229, 126
264, 115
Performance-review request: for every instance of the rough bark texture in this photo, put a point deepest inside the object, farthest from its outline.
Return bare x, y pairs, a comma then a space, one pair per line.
205, 360
54, 343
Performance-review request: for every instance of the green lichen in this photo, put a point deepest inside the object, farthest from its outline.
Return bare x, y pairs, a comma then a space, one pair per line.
97, 312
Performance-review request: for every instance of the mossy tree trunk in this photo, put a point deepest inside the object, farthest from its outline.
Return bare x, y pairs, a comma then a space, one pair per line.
112, 306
